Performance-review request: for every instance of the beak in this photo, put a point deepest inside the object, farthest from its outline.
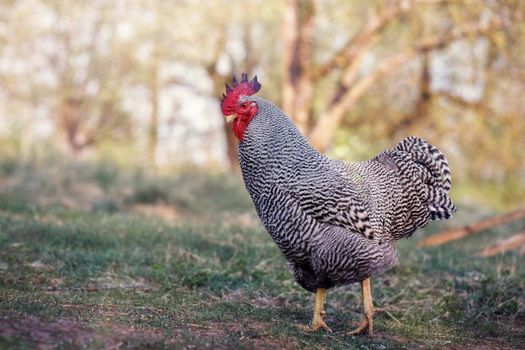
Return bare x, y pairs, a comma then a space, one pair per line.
231, 117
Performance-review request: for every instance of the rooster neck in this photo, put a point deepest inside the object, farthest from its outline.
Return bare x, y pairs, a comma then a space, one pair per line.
274, 149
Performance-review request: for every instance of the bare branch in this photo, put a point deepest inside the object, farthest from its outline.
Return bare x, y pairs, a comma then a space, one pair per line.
454, 234
346, 96
373, 26
502, 246
420, 109
358, 45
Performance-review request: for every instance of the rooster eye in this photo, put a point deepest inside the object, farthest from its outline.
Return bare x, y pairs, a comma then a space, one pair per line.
244, 104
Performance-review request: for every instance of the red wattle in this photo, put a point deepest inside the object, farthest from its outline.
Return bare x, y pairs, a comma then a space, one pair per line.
236, 128
242, 121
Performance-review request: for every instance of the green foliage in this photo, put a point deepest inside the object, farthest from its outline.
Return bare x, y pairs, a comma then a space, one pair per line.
211, 277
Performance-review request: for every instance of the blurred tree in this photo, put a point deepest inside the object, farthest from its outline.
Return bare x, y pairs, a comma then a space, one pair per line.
246, 65
153, 38
242, 41
303, 72
353, 74
71, 62
90, 70
298, 83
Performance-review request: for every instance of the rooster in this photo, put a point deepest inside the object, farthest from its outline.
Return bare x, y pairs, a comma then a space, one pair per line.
336, 222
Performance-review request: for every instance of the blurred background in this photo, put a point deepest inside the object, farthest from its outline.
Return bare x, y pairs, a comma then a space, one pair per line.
136, 84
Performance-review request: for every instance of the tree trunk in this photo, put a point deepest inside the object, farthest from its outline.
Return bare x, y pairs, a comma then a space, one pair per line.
231, 147
153, 84
229, 137
298, 87
154, 117
70, 110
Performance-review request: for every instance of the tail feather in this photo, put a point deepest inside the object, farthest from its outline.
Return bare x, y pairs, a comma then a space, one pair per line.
425, 176
431, 157
440, 181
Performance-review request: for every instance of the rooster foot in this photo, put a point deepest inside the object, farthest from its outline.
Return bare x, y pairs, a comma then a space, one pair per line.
367, 324
317, 320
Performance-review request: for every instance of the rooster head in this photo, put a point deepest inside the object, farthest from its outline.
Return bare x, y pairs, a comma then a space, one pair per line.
233, 106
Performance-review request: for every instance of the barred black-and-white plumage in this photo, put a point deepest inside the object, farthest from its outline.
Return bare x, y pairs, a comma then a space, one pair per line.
336, 222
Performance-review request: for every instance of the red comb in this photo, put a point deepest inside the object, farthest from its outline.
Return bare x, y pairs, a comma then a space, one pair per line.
244, 87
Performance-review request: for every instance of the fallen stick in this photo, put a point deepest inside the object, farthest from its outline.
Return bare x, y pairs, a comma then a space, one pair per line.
504, 246
452, 235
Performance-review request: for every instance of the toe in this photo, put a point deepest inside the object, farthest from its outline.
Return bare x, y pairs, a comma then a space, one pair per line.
325, 327
362, 328
316, 325
379, 309
304, 327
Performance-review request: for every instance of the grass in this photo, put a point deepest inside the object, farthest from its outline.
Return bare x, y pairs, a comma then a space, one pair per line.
97, 257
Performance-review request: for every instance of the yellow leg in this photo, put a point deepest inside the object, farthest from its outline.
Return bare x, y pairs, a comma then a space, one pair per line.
317, 320
368, 310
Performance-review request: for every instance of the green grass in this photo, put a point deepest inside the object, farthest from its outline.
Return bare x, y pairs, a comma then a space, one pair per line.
83, 264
